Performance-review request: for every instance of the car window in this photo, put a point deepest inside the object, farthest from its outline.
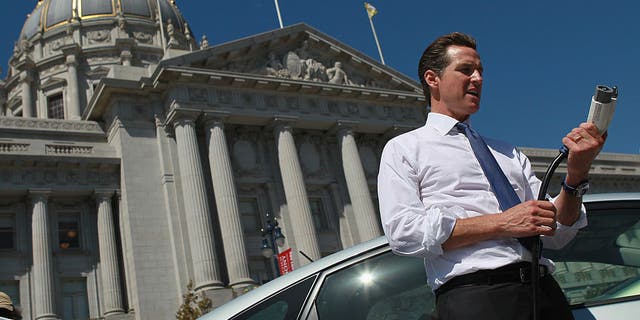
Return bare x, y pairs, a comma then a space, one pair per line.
285, 305
603, 261
385, 286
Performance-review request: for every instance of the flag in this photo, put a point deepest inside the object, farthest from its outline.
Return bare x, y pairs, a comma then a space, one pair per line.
285, 262
371, 10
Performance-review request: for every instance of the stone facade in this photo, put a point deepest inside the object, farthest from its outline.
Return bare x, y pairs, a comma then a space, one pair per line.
167, 157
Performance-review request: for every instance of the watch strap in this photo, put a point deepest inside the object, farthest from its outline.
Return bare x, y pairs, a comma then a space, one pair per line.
577, 191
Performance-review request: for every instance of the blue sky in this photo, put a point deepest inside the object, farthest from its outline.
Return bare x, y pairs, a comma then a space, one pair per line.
542, 58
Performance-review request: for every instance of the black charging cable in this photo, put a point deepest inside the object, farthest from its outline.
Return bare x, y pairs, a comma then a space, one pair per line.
600, 112
536, 248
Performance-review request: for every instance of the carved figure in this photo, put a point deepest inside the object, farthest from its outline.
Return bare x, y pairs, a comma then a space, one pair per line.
337, 75
302, 66
314, 70
187, 32
204, 43
294, 64
274, 68
171, 32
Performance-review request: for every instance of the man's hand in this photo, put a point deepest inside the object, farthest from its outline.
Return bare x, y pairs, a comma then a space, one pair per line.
584, 143
531, 218
534, 217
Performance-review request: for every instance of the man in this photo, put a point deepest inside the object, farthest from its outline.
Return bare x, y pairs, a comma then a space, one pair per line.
437, 203
7, 310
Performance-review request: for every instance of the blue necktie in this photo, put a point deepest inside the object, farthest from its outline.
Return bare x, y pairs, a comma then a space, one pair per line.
501, 186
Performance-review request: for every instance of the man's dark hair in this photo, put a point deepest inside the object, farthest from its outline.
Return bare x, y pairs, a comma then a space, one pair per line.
436, 58
15, 314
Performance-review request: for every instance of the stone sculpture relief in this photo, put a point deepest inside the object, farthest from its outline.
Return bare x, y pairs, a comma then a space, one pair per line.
143, 37
298, 64
97, 36
274, 68
337, 75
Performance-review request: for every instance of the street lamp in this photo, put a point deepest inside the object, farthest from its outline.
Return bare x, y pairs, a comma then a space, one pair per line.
272, 239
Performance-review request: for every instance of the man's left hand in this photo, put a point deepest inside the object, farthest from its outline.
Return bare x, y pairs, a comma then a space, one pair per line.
584, 143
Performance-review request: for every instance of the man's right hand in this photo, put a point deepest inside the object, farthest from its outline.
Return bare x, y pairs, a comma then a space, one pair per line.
530, 218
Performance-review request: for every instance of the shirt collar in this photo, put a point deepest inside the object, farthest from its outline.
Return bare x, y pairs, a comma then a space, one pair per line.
442, 123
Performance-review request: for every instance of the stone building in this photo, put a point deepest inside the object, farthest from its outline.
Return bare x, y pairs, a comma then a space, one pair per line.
134, 159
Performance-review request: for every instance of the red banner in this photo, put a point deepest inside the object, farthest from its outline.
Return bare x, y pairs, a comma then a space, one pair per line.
284, 262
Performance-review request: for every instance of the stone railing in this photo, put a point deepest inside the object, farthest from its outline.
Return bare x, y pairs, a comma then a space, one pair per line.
67, 150
13, 147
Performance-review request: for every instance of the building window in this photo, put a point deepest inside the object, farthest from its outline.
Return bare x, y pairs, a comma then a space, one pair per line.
74, 299
249, 214
261, 269
68, 231
319, 215
55, 106
7, 232
16, 111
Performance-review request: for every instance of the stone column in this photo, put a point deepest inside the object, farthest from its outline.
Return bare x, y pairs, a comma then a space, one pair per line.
44, 293
198, 216
304, 231
3, 104
73, 93
227, 204
125, 243
111, 293
357, 185
27, 98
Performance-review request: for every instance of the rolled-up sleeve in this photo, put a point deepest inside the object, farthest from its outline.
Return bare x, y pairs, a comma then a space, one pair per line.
564, 234
411, 229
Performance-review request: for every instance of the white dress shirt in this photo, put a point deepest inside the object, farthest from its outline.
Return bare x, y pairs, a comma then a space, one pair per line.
429, 177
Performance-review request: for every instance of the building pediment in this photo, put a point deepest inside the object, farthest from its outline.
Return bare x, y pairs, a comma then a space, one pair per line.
299, 53
53, 83
99, 72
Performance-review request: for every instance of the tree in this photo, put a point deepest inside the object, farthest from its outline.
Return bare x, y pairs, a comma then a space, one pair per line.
193, 304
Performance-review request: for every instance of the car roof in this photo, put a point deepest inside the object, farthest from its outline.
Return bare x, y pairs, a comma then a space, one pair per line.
272, 287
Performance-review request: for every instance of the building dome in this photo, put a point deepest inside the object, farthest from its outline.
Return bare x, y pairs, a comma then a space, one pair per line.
67, 46
52, 14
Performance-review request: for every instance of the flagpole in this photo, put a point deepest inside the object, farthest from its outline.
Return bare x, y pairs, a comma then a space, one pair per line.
375, 36
278, 10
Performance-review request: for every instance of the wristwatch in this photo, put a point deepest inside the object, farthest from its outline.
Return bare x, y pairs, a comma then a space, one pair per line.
577, 191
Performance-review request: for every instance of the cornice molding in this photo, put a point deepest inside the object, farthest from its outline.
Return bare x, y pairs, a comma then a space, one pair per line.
51, 126
253, 81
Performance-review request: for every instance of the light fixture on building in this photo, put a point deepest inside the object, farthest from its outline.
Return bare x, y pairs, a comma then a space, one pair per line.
272, 239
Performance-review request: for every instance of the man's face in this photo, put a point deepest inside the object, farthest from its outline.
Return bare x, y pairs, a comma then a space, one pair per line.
457, 90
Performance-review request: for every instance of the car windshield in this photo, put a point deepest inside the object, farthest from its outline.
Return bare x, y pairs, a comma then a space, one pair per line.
386, 286
603, 260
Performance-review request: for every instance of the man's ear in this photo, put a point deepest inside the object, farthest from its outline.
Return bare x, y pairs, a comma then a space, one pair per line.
432, 79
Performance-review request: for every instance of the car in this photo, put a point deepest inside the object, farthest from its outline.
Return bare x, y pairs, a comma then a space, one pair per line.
599, 271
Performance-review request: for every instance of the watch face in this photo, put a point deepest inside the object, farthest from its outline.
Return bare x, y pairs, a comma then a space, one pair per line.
577, 191
583, 188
